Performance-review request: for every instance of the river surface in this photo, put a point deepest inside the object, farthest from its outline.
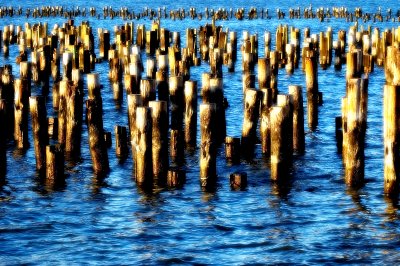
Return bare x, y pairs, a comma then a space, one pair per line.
317, 219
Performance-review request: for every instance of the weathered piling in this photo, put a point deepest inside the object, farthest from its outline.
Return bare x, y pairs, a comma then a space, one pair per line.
134, 101
248, 81
144, 162
21, 104
115, 76
250, 121
6, 40
25, 73
298, 118
74, 112
97, 145
311, 72
52, 123
7, 93
265, 121
208, 156
190, 112
39, 128
121, 141
354, 125
104, 43
162, 86
67, 65
217, 97
54, 165
159, 113
287, 101
392, 66
238, 180
232, 149
176, 178
290, 55
264, 73
62, 111
3, 133
391, 132
279, 149
176, 93
147, 90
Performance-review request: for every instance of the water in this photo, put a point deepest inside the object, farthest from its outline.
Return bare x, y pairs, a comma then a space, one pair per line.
315, 220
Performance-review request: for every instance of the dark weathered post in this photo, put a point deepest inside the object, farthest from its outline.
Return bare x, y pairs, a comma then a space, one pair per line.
208, 162
21, 103
54, 164
391, 126
250, 121
159, 113
144, 162
298, 118
39, 128
97, 145
190, 112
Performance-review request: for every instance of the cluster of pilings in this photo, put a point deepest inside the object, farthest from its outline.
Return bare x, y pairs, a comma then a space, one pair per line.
320, 13
162, 98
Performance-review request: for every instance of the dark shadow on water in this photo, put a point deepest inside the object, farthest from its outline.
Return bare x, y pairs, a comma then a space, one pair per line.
44, 186
282, 188
355, 195
392, 209
98, 182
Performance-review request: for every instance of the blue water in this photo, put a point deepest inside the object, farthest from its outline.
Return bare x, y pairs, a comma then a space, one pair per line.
315, 220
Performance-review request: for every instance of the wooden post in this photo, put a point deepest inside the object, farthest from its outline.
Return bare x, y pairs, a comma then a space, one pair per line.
176, 92
67, 65
354, 131
159, 113
151, 68
264, 73
176, 145
190, 112
298, 118
26, 73
52, 124
392, 66
104, 43
279, 135
147, 90
290, 52
121, 141
248, 81
54, 165
232, 149
205, 87
134, 101
21, 103
217, 97
144, 163
74, 113
3, 134
311, 70
162, 86
62, 111
176, 178
286, 101
391, 112
250, 120
238, 180
39, 128
7, 93
97, 145
265, 122
208, 162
